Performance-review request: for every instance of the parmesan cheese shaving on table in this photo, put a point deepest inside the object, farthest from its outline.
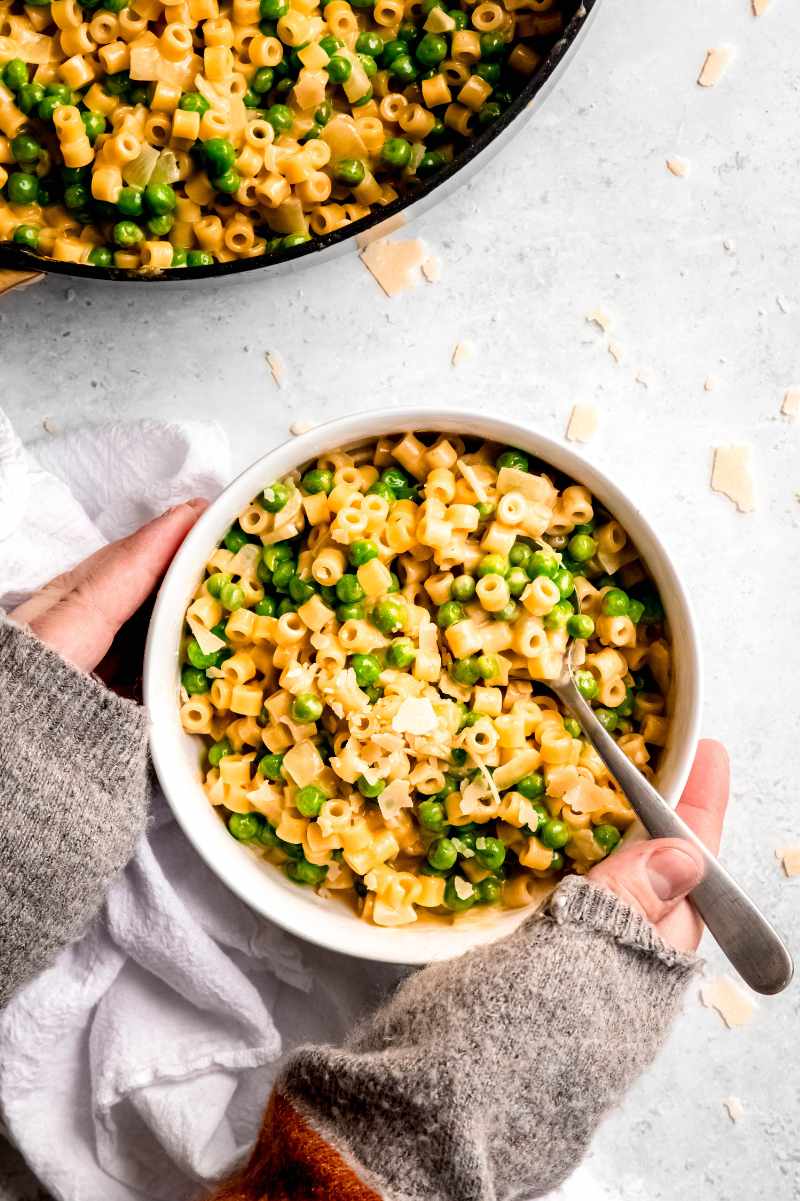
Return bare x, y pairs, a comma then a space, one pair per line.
731, 476
732, 1003
717, 61
394, 265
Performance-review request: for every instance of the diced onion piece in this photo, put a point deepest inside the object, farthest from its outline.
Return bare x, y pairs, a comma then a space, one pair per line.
139, 172
166, 169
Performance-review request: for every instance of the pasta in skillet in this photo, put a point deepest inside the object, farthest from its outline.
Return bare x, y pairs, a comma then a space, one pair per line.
367, 661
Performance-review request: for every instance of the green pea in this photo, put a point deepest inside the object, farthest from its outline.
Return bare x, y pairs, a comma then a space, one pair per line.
581, 547
442, 854
635, 610
76, 196
432, 816
292, 240
94, 124
491, 852
470, 718
29, 96
339, 69
488, 666
403, 68
292, 850
159, 198
129, 201
15, 74
280, 117
606, 837
490, 890
466, 671
348, 589
324, 113
317, 480
231, 597
300, 871
216, 582
267, 836
581, 625
490, 72
615, 603
462, 588
195, 681
218, 750
572, 727
47, 106
458, 756
274, 497
196, 656
558, 616
265, 607
228, 182
430, 162
626, 708
27, 235
389, 616
370, 790
586, 684
101, 256
517, 580
557, 862
565, 582
25, 148
306, 708
449, 614
393, 50
271, 556
271, 766
397, 480
431, 49
511, 457
139, 95
531, 786
220, 155
282, 576
607, 718
273, 10
220, 629
369, 43
367, 669
22, 188
509, 612
394, 585
300, 590
199, 258
493, 46
194, 102
451, 898
395, 153
128, 233
520, 555
401, 653
349, 171
354, 611
543, 562
362, 551
309, 800
287, 605
555, 834
493, 565
245, 827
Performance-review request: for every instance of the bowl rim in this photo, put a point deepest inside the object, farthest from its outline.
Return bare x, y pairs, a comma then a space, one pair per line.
318, 921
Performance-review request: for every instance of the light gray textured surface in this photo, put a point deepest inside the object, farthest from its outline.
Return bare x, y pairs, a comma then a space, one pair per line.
578, 212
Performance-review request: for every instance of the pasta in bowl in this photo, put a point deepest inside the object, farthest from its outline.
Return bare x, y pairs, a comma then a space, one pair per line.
364, 657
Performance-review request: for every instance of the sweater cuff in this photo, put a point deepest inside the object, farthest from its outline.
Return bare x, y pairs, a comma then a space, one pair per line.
580, 902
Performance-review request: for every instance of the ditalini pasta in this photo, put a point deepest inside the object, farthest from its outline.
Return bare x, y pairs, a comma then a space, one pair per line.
367, 657
155, 135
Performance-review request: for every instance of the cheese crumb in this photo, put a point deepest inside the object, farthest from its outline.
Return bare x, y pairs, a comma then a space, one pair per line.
678, 166
276, 366
615, 350
791, 403
463, 888
395, 796
582, 423
732, 1003
710, 383
759, 7
734, 1107
789, 858
415, 716
600, 318
642, 377
300, 427
718, 59
731, 476
49, 426
394, 265
462, 353
432, 269
729, 245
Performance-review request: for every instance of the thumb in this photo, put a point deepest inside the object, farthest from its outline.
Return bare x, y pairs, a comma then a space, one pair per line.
652, 877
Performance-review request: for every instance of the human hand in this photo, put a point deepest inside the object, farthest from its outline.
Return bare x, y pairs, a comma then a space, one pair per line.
80, 613
654, 877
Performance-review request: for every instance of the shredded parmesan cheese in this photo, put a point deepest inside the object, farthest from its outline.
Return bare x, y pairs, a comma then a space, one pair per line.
432, 269
599, 318
394, 265
416, 715
731, 476
209, 643
759, 7
734, 1107
470, 475
734, 1006
791, 403
678, 166
717, 61
463, 888
582, 423
789, 858
710, 383
395, 797
300, 427
615, 350
462, 352
276, 366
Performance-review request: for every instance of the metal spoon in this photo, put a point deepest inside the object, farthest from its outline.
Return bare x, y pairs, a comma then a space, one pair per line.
739, 927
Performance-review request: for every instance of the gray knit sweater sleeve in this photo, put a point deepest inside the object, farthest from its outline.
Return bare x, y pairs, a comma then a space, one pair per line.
73, 799
483, 1079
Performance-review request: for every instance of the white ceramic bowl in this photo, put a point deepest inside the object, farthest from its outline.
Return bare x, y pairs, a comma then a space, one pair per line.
176, 754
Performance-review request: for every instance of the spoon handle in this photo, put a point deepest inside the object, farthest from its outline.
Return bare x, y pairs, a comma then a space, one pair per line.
741, 930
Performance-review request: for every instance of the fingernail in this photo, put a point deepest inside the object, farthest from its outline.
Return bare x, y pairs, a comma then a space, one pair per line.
672, 873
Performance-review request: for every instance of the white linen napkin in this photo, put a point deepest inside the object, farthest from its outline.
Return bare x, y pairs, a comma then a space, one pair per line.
137, 1066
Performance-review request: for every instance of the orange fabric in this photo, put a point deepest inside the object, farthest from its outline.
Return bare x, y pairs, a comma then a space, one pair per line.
291, 1162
